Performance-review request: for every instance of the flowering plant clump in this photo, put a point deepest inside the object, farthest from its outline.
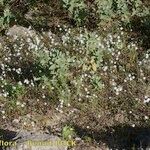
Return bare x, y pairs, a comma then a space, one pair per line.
75, 69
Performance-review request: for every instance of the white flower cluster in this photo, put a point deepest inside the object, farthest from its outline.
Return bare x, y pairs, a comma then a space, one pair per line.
88, 49
146, 99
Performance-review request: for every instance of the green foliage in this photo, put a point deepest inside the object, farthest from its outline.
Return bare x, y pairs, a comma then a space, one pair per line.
13, 91
87, 139
6, 17
105, 9
96, 81
100, 74
123, 9
57, 65
68, 132
77, 9
4, 2
92, 45
59, 69
1, 2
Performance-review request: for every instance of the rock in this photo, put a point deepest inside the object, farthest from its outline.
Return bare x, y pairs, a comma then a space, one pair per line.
36, 141
20, 31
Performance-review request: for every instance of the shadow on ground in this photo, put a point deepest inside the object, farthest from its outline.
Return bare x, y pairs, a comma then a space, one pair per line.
141, 26
6, 135
120, 137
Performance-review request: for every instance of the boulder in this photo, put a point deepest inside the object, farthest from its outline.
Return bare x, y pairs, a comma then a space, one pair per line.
25, 140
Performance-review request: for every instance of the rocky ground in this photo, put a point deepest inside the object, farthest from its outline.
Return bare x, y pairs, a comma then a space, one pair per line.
49, 128
75, 70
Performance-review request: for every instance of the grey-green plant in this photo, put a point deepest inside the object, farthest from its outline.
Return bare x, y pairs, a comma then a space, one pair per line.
59, 68
93, 49
57, 64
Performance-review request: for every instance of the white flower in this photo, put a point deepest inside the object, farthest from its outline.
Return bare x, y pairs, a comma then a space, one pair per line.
5, 94
105, 68
120, 88
146, 117
43, 96
18, 70
24, 123
22, 105
87, 96
117, 93
87, 127
20, 83
37, 40
4, 117
121, 28
33, 124
99, 116
147, 56
6, 59
144, 78
17, 103
43, 87
147, 99
3, 111
86, 89
14, 87
26, 81
18, 54
29, 28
